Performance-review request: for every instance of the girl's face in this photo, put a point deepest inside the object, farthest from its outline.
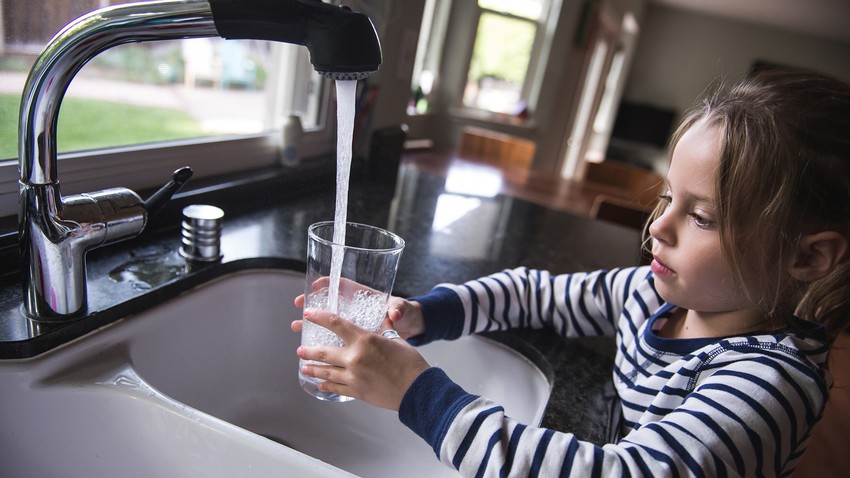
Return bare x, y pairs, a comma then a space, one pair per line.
690, 270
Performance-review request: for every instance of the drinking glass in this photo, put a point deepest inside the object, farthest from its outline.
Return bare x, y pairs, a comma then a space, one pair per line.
367, 265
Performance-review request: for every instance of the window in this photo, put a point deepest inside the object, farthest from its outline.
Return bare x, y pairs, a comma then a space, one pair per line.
161, 104
504, 55
435, 19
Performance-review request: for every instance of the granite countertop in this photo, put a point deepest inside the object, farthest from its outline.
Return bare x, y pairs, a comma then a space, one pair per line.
451, 235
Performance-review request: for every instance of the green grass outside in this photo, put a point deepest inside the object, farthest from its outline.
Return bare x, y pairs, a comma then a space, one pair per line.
90, 124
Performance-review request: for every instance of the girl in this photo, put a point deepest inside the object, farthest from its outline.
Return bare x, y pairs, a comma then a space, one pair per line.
722, 340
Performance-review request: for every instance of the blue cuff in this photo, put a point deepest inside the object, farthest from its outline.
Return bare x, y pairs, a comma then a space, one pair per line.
431, 404
442, 310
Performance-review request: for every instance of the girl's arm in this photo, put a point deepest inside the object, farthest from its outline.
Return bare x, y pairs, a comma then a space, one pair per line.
747, 419
575, 305
738, 409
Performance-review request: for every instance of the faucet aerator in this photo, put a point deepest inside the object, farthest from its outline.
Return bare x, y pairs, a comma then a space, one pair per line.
345, 75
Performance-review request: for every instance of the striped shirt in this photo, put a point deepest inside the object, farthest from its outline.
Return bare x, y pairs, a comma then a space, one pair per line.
690, 407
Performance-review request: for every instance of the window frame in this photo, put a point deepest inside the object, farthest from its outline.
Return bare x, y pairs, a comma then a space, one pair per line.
429, 50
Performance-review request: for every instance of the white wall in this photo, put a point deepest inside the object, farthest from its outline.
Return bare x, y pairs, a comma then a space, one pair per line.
397, 24
680, 55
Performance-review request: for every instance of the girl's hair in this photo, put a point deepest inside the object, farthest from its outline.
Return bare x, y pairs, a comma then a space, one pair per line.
783, 171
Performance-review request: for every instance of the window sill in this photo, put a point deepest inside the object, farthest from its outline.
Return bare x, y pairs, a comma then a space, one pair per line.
501, 122
145, 166
150, 166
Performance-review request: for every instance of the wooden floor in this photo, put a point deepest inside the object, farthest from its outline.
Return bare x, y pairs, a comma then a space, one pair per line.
828, 454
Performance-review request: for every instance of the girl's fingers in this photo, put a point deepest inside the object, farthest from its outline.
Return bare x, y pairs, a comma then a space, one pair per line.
376, 369
299, 301
346, 330
406, 317
321, 283
333, 379
386, 325
346, 286
323, 372
339, 389
394, 313
329, 355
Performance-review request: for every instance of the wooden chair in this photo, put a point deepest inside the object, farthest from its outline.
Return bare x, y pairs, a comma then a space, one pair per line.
826, 456
637, 190
640, 185
495, 148
620, 211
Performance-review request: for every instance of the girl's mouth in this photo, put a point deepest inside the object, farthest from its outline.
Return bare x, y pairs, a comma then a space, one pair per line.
660, 269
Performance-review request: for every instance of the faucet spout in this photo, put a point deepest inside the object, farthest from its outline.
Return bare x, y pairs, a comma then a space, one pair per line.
55, 232
343, 44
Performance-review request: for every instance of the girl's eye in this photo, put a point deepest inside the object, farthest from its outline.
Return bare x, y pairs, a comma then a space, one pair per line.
701, 222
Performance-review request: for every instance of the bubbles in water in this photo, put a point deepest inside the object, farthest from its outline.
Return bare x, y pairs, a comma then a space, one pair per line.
365, 308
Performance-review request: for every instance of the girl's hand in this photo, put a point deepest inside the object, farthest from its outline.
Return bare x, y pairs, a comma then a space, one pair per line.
370, 367
405, 315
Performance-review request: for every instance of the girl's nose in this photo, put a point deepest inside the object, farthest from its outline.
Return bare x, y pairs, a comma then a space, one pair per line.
660, 229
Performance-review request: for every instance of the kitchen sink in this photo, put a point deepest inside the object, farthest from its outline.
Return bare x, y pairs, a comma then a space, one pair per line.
206, 384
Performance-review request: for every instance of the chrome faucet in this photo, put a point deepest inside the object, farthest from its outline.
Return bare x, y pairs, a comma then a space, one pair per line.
56, 232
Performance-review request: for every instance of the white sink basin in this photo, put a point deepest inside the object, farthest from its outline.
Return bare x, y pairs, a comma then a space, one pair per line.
206, 384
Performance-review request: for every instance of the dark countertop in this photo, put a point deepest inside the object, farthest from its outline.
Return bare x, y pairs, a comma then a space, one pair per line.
451, 236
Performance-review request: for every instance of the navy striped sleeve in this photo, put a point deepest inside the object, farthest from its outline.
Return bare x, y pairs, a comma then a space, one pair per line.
443, 313
430, 405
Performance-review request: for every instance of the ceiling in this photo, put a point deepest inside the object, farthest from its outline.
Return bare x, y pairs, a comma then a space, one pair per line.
823, 18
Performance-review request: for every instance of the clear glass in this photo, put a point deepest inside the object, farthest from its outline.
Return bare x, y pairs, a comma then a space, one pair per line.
369, 263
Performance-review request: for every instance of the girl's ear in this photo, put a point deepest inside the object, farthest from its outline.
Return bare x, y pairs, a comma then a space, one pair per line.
816, 255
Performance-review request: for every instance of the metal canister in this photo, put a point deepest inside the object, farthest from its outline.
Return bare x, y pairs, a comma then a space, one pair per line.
201, 233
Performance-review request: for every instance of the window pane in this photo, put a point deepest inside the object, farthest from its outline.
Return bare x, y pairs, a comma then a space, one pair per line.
531, 9
157, 91
499, 65
142, 92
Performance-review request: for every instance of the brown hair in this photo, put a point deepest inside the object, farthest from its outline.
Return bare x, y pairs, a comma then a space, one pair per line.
783, 171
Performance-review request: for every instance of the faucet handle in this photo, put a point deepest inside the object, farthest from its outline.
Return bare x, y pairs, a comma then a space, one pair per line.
158, 199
